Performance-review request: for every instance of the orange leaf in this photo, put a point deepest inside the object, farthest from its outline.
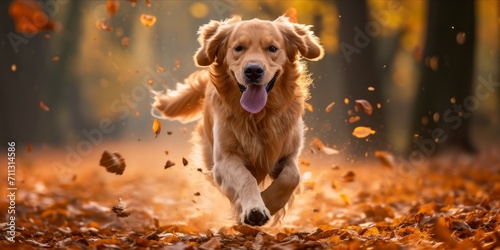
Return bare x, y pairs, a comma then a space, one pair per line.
345, 199
156, 127
386, 158
44, 107
348, 176
365, 106
329, 107
309, 107
112, 7
148, 20
113, 162
30, 18
363, 132
354, 119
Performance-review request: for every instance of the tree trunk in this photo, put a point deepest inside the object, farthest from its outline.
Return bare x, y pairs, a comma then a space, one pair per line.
444, 100
357, 50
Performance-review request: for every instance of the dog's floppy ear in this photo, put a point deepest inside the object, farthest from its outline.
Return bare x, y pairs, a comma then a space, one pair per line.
302, 37
212, 37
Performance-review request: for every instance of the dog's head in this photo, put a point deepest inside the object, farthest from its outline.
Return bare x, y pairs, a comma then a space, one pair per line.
255, 53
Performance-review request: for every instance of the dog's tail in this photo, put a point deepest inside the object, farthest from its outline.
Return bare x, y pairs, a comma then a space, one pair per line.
186, 101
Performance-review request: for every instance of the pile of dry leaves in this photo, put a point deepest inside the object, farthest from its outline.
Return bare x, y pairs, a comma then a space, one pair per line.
339, 208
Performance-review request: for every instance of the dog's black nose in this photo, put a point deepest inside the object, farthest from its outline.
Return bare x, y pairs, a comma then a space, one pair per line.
254, 72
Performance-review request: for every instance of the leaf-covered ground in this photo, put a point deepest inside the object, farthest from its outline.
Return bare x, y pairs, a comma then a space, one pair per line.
449, 202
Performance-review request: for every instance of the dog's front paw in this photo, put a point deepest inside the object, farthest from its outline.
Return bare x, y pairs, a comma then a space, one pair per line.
256, 216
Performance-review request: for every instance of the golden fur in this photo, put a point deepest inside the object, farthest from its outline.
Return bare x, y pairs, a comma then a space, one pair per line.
239, 147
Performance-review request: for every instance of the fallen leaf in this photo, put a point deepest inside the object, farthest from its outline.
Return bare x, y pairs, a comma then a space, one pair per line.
159, 69
148, 20
372, 231
112, 7
363, 132
364, 105
13, 68
441, 233
184, 161
329, 107
197, 194
119, 209
348, 176
113, 162
169, 164
156, 127
169, 132
212, 243
44, 107
246, 230
346, 101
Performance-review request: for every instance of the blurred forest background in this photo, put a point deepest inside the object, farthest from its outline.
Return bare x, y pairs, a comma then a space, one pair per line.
428, 68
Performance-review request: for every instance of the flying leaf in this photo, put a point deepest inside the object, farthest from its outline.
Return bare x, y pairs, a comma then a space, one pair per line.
113, 162
329, 107
148, 20
348, 176
102, 24
119, 209
30, 18
329, 151
354, 119
345, 199
112, 7
156, 127
169, 164
125, 41
364, 105
386, 158
309, 107
44, 107
363, 132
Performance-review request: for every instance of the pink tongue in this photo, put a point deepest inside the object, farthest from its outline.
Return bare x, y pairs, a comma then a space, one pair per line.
254, 98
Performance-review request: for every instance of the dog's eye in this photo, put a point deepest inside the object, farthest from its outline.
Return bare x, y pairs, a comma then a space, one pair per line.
238, 48
272, 49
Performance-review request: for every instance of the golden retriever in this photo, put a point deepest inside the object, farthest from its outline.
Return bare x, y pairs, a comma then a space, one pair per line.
249, 102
